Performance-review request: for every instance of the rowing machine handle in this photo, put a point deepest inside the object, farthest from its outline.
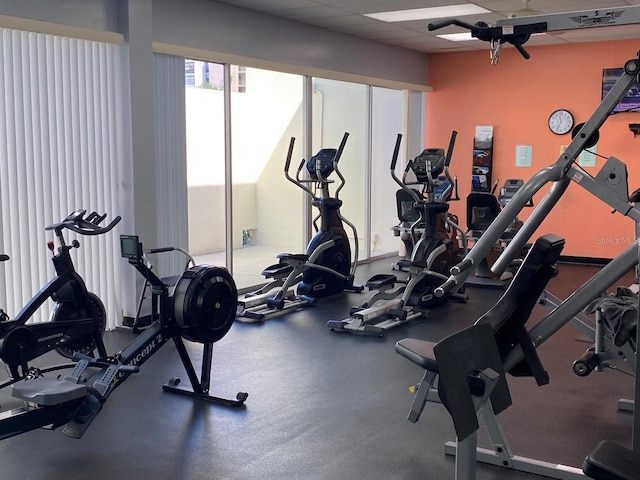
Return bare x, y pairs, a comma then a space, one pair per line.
396, 150
287, 163
162, 250
341, 147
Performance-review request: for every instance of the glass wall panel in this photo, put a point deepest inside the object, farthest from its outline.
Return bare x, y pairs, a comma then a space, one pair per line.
266, 111
387, 123
204, 111
340, 107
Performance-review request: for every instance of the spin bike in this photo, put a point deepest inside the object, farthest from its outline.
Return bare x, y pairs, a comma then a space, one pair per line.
327, 268
201, 310
78, 317
432, 256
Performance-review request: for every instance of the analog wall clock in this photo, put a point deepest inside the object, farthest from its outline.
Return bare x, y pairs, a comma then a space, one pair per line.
561, 121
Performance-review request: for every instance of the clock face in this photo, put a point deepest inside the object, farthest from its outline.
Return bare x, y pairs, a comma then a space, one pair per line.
561, 122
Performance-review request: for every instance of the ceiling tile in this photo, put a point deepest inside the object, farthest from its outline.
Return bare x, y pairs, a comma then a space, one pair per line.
346, 16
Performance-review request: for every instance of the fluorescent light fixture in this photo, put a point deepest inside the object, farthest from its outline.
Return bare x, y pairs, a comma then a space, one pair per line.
427, 13
466, 36
457, 37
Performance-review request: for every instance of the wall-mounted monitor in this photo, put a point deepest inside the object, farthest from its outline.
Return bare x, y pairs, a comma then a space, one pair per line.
631, 100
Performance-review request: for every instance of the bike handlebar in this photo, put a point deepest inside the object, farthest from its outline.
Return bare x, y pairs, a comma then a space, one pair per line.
89, 225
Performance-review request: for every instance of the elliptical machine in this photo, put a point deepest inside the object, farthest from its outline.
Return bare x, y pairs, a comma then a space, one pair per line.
435, 252
328, 267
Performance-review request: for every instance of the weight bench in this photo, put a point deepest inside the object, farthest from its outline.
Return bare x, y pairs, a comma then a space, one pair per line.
465, 371
610, 461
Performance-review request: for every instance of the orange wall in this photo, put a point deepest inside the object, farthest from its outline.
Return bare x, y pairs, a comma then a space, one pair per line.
516, 97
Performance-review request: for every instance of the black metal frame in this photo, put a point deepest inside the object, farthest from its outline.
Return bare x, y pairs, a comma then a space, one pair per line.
111, 372
22, 342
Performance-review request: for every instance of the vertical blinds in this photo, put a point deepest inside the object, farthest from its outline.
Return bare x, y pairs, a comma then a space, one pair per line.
171, 159
59, 122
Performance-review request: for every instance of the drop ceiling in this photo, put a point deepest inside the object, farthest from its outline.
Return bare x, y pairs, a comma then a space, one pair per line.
347, 16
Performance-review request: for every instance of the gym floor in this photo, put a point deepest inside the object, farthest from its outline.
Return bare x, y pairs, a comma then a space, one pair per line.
323, 405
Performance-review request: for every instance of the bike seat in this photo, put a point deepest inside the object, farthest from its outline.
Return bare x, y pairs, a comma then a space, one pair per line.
47, 391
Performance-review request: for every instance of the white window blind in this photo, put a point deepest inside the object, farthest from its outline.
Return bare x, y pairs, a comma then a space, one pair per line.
60, 121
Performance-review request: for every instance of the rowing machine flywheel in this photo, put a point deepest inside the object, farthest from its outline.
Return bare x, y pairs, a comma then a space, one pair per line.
205, 301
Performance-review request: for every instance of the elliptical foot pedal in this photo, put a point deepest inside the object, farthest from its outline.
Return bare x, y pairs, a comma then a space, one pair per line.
278, 270
275, 303
378, 281
398, 313
336, 325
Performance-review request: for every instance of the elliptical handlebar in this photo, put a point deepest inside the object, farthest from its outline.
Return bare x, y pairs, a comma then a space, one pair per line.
287, 162
396, 151
452, 143
453, 183
394, 161
341, 148
335, 163
297, 180
89, 225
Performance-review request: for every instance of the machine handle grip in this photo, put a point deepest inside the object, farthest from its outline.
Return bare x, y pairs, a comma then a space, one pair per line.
396, 150
341, 147
287, 163
445, 288
455, 197
129, 368
162, 250
463, 266
445, 22
523, 52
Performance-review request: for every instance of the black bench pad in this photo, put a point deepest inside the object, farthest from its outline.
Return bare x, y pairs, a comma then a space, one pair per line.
419, 352
610, 461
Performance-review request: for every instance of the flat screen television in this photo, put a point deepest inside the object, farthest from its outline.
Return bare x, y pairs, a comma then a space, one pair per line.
631, 100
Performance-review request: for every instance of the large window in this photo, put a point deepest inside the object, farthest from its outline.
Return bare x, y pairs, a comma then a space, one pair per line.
266, 112
267, 213
387, 122
206, 160
340, 107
